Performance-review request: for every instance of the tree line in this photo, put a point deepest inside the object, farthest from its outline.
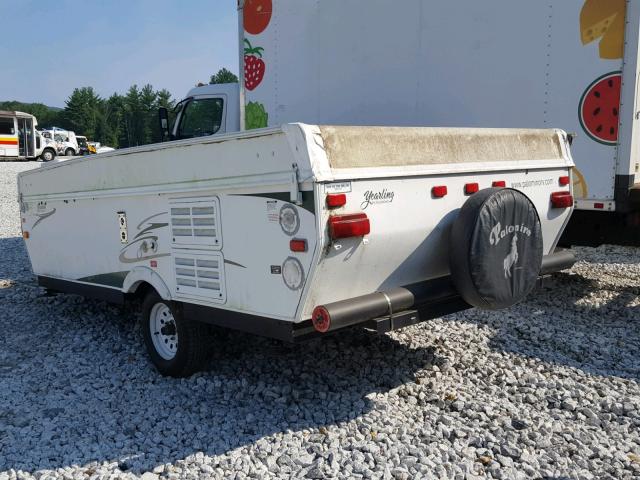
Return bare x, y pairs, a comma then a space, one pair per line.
121, 120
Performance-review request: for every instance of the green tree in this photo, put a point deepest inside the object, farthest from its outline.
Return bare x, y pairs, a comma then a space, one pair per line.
120, 121
223, 76
84, 111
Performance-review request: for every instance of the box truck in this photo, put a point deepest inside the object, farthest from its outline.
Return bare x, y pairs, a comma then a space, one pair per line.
295, 230
569, 64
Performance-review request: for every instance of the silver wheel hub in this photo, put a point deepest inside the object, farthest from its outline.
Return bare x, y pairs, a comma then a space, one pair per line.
164, 334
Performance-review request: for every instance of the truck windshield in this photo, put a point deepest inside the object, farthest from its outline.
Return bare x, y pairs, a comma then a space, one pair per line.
201, 117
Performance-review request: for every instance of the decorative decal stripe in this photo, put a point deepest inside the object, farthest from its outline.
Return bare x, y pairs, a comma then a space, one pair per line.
229, 262
307, 198
113, 279
42, 216
8, 141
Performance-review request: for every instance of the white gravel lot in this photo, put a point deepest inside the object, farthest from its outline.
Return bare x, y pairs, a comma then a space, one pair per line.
548, 389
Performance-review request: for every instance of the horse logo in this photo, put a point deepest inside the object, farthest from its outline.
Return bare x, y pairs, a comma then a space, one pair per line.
512, 257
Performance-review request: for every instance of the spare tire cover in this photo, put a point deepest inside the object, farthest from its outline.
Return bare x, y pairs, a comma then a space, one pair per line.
496, 248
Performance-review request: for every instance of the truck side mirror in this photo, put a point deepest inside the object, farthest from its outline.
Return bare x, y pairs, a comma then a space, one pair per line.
163, 115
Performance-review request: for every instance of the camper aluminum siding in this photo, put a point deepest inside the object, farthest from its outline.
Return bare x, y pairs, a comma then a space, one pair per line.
495, 63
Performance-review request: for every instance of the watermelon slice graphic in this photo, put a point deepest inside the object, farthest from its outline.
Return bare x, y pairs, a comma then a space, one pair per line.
600, 108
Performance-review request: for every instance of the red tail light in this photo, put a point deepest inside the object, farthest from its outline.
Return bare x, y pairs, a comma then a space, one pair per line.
564, 181
599, 206
439, 191
561, 200
499, 184
298, 245
335, 200
471, 188
346, 226
321, 319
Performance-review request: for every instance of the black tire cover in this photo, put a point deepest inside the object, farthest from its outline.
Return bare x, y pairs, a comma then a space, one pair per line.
496, 248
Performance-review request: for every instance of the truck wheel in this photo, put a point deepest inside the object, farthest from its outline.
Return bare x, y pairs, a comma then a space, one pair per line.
47, 155
69, 152
496, 248
177, 346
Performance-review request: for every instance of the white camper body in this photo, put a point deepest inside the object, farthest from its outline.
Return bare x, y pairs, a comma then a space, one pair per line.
236, 228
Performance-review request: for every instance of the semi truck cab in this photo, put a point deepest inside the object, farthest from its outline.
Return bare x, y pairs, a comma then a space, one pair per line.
206, 110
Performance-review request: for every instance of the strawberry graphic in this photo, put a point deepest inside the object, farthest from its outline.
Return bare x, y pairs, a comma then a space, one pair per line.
254, 66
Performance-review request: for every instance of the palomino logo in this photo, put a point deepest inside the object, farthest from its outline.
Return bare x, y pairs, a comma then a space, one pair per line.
512, 258
383, 196
498, 233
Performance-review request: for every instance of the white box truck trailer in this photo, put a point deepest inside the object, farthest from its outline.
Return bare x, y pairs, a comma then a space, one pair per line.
298, 230
569, 64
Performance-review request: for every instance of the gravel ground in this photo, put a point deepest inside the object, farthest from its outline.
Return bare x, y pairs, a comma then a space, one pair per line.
548, 389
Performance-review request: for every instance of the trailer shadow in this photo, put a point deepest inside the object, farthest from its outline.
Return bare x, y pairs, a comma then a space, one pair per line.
78, 388
560, 325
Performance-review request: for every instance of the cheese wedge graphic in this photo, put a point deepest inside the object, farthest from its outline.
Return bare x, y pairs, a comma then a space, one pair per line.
580, 189
604, 20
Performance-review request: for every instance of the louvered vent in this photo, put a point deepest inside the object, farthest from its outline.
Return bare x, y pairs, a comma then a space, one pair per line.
196, 223
200, 275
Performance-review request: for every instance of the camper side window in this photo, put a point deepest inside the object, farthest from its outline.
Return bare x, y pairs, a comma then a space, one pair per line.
7, 127
201, 117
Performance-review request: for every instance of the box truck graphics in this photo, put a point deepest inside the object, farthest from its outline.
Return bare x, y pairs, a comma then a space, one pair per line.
257, 15
604, 20
572, 66
600, 109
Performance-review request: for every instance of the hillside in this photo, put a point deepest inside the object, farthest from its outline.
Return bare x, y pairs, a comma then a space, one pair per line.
45, 114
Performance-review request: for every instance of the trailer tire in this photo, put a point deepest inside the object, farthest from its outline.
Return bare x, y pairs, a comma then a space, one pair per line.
496, 248
189, 352
47, 155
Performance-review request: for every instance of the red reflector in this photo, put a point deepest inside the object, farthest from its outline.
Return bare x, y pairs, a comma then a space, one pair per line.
471, 188
321, 319
439, 191
297, 245
153, 263
561, 200
564, 181
599, 206
335, 200
345, 226
499, 184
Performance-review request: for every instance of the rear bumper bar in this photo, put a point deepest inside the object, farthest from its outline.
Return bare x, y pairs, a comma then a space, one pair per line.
400, 307
559, 260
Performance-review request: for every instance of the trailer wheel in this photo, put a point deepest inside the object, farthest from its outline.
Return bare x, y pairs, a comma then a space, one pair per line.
496, 248
177, 346
47, 155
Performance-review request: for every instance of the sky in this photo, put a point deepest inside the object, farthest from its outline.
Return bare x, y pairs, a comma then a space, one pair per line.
50, 48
